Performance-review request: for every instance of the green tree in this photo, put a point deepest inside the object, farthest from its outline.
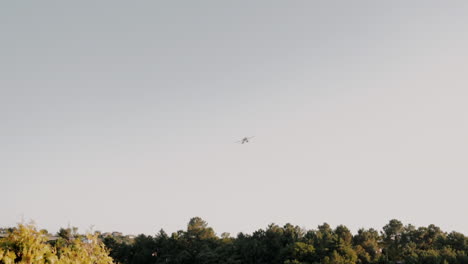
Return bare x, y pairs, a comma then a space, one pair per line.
197, 228
366, 243
301, 252
391, 236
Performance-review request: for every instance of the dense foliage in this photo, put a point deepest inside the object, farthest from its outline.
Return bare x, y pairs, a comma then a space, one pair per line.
290, 244
26, 245
198, 244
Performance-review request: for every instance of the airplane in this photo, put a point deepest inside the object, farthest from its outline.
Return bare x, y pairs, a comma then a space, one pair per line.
244, 140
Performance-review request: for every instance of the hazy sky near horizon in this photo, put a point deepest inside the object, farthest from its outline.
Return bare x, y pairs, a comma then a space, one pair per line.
123, 115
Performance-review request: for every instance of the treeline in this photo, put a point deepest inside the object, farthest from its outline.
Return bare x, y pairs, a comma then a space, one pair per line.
198, 244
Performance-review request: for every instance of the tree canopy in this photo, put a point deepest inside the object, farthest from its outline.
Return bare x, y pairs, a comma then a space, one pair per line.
26, 245
396, 243
288, 244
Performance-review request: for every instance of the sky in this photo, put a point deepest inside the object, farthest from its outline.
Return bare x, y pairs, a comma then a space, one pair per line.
123, 116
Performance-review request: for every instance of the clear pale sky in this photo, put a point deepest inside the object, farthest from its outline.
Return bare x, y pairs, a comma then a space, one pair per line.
123, 115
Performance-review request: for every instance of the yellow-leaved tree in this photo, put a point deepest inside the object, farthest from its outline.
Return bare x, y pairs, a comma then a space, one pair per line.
26, 245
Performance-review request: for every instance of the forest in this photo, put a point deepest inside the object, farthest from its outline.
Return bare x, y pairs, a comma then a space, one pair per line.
288, 244
396, 243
